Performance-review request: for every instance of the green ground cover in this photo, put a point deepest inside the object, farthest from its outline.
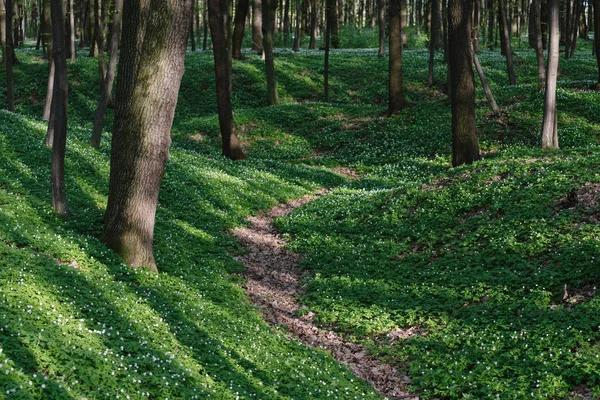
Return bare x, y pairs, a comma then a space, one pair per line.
476, 257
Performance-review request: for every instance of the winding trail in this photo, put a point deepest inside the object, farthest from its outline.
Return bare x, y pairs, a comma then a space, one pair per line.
274, 282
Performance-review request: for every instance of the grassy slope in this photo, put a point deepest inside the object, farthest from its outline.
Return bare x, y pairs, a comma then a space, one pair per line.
477, 256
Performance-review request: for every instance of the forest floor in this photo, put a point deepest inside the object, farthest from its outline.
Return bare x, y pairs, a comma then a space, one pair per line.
425, 280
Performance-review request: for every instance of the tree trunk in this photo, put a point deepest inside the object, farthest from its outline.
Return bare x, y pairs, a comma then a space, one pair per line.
381, 23
106, 89
484, 84
47, 35
297, 29
192, 34
153, 46
239, 23
597, 37
268, 22
434, 38
465, 149
535, 15
205, 28
512, 77
335, 27
231, 145
99, 41
403, 21
549, 124
257, 26
286, 23
329, 5
3, 31
396, 100
73, 54
59, 105
491, 24
314, 24
8, 57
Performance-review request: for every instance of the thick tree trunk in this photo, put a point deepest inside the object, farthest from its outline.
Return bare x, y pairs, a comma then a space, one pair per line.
297, 27
257, 26
510, 67
59, 106
106, 89
335, 27
231, 144
239, 23
47, 35
597, 36
268, 13
434, 38
536, 32
8, 58
549, 124
153, 46
381, 23
491, 23
465, 149
396, 100
286, 22
314, 24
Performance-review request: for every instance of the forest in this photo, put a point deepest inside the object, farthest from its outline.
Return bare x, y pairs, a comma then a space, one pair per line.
346, 199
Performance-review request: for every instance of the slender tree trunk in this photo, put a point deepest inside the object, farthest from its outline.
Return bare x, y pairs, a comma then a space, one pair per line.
8, 58
465, 148
205, 28
403, 21
216, 13
3, 31
192, 35
335, 27
486, 87
257, 25
314, 23
73, 54
434, 38
106, 89
47, 35
297, 28
396, 99
512, 77
476, 22
597, 36
381, 23
59, 105
268, 22
153, 47
535, 15
329, 15
239, 24
286, 22
549, 124
99, 40
491, 24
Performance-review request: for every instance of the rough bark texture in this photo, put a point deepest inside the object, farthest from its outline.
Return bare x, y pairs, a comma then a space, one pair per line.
536, 17
268, 13
106, 89
597, 36
257, 29
505, 32
465, 148
8, 58
59, 106
151, 65
239, 23
396, 100
549, 126
381, 25
231, 144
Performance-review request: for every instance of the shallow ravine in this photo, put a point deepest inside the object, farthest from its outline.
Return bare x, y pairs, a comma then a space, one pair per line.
274, 283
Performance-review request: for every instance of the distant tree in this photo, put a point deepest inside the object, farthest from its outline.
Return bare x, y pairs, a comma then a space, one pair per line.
231, 144
396, 99
47, 42
597, 36
59, 110
8, 57
535, 34
297, 27
434, 38
268, 24
314, 24
257, 26
106, 88
381, 26
549, 124
329, 4
153, 45
465, 148
2, 31
239, 24
71, 26
506, 46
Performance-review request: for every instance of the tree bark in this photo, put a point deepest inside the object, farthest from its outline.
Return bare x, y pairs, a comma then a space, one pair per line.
153, 46
8, 58
286, 22
396, 100
314, 23
297, 27
241, 12
59, 105
268, 13
510, 67
381, 23
231, 145
535, 15
491, 24
48, 45
99, 41
106, 89
3, 31
434, 38
484, 84
597, 36
335, 27
257, 26
549, 124
465, 148
329, 4
73, 54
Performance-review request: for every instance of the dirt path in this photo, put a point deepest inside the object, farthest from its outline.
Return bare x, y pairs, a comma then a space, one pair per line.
274, 282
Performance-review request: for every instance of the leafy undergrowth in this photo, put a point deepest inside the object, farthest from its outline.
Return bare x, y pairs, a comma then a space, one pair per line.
494, 262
